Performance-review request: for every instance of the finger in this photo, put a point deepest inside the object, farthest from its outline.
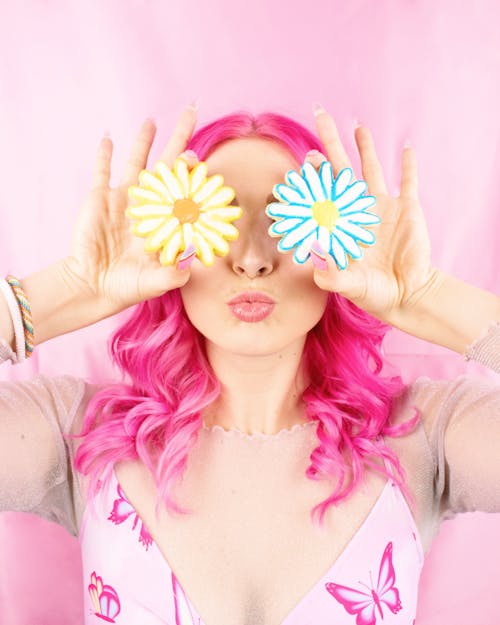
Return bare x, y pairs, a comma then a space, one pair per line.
102, 168
329, 136
138, 159
409, 175
315, 158
180, 137
370, 164
190, 157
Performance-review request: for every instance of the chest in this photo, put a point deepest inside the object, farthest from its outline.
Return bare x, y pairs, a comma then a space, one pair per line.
249, 552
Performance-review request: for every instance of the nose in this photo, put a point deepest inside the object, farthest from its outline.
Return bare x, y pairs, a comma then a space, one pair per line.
253, 255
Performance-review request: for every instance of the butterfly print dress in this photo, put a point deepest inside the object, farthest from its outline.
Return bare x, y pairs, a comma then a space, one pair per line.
374, 581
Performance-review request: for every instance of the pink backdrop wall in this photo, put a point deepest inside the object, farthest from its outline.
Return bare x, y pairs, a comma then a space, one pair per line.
425, 71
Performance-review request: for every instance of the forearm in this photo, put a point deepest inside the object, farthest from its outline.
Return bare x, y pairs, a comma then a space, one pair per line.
58, 305
452, 313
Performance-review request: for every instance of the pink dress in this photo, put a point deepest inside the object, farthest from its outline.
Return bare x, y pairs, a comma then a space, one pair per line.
375, 578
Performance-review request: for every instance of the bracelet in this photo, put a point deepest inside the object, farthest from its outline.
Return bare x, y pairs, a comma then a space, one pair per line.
17, 321
22, 300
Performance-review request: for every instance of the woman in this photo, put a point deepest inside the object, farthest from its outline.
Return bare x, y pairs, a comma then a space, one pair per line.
273, 423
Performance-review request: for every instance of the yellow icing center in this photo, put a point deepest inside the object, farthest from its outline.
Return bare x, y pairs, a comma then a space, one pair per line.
325, 213
186, 210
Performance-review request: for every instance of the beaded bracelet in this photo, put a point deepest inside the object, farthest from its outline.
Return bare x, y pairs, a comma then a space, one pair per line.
22, 321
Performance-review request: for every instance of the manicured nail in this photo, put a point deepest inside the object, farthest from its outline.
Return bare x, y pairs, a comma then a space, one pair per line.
407, 143
312, 152
194, 104
357, 123
191, 153
318, 109
187, 257
318, 256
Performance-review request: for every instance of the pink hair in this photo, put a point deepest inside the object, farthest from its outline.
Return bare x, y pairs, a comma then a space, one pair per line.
157, 415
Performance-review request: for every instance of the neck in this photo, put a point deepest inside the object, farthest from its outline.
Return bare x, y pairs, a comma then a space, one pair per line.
258, 393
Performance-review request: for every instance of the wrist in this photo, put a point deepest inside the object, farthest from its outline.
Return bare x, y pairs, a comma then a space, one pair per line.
448, 312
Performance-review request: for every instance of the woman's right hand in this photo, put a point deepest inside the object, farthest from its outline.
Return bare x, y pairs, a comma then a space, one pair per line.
107, 260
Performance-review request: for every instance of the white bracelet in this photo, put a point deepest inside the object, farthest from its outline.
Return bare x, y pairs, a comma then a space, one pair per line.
17, 319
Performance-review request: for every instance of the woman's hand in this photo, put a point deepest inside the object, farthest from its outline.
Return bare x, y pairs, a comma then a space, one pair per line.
396, 271
107, 260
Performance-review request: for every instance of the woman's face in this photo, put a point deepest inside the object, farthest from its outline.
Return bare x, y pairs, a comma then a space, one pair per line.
252, 166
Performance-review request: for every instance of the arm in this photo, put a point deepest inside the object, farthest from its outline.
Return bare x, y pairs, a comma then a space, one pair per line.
59, 304
454, 314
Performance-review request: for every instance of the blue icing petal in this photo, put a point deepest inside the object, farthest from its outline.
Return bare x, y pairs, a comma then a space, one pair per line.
357, 233
289, 194
308, 171
353, 192
342, 181
284, 225
276, 209
326, 177
359, 204
295, 180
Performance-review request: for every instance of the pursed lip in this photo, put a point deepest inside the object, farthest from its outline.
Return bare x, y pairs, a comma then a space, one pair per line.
251, 296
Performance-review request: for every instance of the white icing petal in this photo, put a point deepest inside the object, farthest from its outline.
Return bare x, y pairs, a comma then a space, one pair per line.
297, 234
277, 209
197, 177
187, 234
171, 249
365, 236
206, 253
138, 193
211, 186
359, 205
324, 238
342, 181
294, 179
147, 225
219, 198
312, 179
349, 244
221, 227
149, 210
326, 177
303, 250
338, 252
181, 170
351, 194
282, 226
158, 238
290, 194
171, 182
227, 213
216, 241
151, 182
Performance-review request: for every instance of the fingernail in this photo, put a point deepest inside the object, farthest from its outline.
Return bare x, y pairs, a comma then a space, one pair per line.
318, 109
191, 153
357, 123
312, 152
318, 256
194, 104
407, 143
187, 257
106, 133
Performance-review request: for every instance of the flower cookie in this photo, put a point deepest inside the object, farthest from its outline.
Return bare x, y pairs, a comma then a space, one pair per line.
316, 206
176, 208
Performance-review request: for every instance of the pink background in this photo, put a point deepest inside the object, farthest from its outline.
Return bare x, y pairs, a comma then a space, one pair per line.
425, 71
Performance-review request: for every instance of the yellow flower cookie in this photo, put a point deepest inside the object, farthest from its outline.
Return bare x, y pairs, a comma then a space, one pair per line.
174, 208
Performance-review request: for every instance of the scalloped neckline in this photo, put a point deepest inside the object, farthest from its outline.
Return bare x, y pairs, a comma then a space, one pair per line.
235, 432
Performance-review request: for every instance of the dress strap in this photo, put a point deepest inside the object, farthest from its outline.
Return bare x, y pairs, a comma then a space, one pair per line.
388, 466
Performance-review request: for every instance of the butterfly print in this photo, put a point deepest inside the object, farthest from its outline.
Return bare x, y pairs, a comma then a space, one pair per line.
365, 604
122, 509
104, 599
183, 614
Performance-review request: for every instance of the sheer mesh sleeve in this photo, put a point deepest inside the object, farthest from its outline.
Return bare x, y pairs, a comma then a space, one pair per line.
36, 474
462, 425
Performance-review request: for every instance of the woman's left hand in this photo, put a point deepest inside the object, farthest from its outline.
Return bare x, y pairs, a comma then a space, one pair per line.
396, 271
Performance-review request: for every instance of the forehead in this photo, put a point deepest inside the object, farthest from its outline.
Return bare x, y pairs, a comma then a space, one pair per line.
251, 161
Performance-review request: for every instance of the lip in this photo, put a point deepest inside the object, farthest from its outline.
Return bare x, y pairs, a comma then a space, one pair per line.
251, 297
251, 306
